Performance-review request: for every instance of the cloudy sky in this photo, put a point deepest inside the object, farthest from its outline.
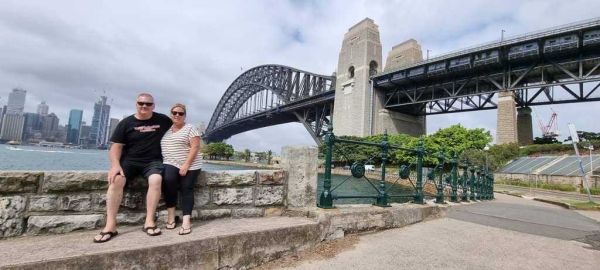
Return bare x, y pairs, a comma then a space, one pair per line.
68, 53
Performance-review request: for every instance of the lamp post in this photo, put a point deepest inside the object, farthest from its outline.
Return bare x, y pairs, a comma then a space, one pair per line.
502, 35
591, 148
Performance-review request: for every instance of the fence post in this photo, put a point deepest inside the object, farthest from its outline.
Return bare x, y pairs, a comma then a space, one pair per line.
478, 183
439, 198
454, 179
472, 182
492, 186
465, 180
382, 196
326, 200
419, 185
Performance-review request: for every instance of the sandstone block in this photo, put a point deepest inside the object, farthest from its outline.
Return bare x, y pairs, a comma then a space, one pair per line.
230, 178
43, 203
230, 196
62, 224
75, 202
98, 201
271, 177
12, 210
273, 211
247, 212
19, 182
133, 200
131, 218
214, 213
269, 195
300, 163
74, 181
201, 197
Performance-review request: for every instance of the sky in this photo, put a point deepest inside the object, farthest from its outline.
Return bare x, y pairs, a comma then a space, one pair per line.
68, 53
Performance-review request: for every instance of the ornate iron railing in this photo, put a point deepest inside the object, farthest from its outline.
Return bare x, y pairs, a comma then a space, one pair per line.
475, 183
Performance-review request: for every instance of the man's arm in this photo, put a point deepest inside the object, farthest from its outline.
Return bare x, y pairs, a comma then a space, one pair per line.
115, 162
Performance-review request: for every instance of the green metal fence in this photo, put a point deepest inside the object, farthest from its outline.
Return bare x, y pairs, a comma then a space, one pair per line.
473, 184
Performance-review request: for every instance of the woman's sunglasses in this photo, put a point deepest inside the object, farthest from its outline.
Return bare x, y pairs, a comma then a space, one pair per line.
178, 113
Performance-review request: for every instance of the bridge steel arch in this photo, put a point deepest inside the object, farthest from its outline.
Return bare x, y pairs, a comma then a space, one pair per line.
296, 96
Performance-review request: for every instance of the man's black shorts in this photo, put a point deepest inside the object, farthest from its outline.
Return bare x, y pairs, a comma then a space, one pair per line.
133, 169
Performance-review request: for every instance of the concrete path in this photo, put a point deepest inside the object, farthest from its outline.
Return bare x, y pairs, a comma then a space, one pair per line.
508, 233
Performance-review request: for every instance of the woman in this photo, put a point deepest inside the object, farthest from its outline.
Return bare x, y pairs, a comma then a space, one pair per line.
179, 148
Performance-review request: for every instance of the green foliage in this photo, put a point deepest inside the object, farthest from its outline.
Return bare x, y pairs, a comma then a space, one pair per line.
593, 191
269, 157
550, 186
246, 155
545, 140
218, 150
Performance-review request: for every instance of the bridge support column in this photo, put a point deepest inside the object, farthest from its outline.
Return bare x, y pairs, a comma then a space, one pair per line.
506, 131
524, 126
395, 122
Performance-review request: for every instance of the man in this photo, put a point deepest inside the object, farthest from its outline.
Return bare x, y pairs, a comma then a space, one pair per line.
135, 151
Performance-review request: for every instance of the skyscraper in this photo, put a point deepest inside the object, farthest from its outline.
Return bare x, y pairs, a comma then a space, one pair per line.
99, 130
16, 101
74, 126
13, 120
42, 108
113, 125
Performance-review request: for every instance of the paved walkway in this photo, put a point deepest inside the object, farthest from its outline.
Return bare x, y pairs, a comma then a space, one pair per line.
508, 233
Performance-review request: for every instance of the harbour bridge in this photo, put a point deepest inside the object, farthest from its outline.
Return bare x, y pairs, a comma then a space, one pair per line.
551, 66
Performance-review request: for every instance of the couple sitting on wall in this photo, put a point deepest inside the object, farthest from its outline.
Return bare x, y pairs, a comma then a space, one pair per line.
153, 145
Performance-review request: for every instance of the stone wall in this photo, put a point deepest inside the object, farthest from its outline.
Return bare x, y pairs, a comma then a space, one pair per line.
576, 181
62, 201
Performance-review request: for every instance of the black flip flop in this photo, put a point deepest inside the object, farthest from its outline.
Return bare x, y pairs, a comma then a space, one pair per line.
102, 234
174, 224
146, 230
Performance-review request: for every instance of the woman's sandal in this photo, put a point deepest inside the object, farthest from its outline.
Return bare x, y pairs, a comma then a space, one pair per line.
153, 233
171, 226
102, 234
185, 231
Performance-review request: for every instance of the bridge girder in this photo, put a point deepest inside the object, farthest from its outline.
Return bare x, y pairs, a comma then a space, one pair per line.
293, 94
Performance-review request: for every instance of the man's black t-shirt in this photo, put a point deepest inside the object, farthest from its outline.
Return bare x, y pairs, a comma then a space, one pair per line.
141, 138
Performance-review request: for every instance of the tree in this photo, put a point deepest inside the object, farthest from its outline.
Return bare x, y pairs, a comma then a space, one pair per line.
247, 155
269, 157
546, 140
218, 150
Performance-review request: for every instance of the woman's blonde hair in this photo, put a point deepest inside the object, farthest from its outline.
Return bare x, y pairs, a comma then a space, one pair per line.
179, 105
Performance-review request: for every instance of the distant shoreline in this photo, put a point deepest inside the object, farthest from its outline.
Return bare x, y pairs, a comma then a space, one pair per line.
244, 164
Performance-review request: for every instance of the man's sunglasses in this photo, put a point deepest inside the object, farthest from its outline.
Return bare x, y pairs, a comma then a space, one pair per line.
148, 104
178, 113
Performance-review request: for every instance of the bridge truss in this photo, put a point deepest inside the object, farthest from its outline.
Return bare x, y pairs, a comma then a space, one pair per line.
271, 95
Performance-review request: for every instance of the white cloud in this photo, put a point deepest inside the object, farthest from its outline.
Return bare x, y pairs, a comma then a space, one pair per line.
69, 52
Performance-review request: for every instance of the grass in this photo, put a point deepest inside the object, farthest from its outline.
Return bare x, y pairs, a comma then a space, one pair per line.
583, 205
593, 191
549, 186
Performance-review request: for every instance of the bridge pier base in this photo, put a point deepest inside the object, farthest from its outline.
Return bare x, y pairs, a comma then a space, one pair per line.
524, 126
506, 131
395, 123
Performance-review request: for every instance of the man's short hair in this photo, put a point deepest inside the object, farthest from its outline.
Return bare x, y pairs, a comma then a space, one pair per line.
145, 95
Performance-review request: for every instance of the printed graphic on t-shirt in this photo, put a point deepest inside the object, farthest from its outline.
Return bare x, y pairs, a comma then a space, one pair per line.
147, 128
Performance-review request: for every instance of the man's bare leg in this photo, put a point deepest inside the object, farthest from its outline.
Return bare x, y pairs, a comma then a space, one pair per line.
152, 198
114, 195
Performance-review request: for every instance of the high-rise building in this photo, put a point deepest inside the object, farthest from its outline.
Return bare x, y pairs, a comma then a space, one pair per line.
12, 127
32, 127
74, 126
2, 112
50, 126
16, 101
99, 130
113, 125
43, 108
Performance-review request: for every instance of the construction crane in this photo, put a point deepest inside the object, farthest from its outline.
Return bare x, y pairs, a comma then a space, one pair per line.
549, 130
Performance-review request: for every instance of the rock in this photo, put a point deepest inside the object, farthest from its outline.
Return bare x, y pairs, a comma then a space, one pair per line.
19, 182
247, 212
74, 181
43, 203
271, 177
269, 195
75, 202
214, 213
12, 215
230, 178
232, 196
62, 224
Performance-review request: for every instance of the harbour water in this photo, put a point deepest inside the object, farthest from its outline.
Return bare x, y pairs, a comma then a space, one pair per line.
51, 159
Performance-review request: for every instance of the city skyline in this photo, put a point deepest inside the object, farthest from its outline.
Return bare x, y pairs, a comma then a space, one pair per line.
176, 55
